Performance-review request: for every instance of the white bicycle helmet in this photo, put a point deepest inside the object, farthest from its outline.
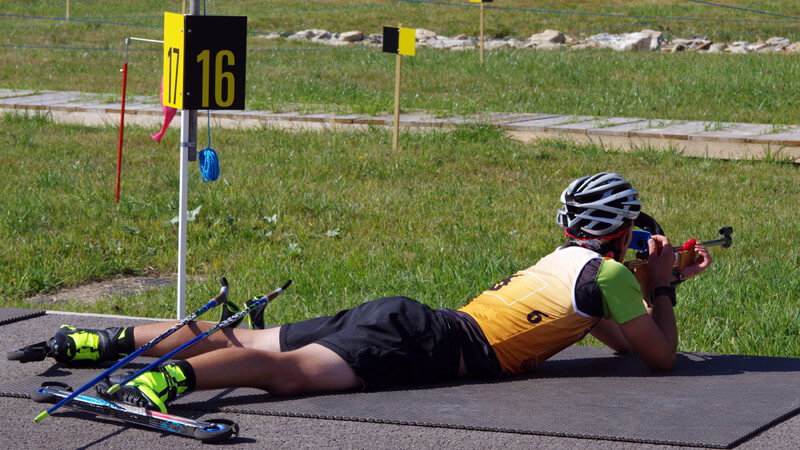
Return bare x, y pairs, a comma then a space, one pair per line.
598, 205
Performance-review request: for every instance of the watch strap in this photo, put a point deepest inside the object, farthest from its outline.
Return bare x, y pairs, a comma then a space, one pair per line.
669, 291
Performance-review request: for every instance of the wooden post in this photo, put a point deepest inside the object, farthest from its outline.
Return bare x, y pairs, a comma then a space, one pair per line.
183, 9
67, 9
481, 32
398, 65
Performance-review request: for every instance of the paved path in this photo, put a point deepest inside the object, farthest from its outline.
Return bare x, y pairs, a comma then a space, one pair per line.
69, 430
705, 139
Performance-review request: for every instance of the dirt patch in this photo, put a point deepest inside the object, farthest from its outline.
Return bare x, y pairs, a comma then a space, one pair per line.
90, 293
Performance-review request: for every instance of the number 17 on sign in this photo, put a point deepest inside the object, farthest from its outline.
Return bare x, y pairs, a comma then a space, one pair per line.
173, 60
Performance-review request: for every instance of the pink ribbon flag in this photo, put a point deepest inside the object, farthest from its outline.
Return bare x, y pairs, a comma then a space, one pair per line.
169, 113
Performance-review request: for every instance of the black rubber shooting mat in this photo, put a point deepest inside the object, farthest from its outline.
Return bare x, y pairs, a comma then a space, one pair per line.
709, 400
8, 315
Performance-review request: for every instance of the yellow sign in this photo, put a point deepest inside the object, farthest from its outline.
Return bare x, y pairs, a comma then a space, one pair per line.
204, 61
399, 40
408, 38
174, 55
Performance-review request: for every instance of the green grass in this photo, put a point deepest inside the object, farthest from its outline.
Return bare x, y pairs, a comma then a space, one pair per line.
444, 219
294, 76
284, 75
370, 15
440, 221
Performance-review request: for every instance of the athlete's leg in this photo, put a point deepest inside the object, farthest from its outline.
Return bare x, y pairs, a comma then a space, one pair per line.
226, 338
312, 368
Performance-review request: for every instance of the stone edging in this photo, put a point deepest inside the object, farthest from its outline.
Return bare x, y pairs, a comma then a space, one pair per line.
644, 40
694, 138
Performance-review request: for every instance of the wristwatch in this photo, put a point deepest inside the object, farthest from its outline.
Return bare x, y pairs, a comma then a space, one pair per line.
669, 291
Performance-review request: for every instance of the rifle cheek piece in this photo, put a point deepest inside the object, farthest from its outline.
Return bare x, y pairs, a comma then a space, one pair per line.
647, 223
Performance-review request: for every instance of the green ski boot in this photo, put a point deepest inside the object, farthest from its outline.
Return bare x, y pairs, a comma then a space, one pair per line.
152, 389
72, 344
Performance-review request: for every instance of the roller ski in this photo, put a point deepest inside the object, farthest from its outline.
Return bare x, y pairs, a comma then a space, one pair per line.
137, 397
209, 431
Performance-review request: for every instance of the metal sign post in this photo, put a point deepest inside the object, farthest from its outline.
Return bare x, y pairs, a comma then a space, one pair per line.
204, 68
186, 143
188, 152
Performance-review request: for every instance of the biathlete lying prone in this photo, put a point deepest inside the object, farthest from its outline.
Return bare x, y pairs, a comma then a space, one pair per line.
580, 288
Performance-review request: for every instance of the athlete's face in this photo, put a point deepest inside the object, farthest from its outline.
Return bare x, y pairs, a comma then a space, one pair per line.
625, 244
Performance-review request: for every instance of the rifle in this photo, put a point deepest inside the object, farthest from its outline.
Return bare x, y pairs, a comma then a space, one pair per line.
684, 254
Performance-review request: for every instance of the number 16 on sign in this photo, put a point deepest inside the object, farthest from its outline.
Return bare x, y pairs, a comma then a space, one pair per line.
204, 61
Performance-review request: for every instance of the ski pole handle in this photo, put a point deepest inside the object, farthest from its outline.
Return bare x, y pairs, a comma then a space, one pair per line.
232, 319
221, 297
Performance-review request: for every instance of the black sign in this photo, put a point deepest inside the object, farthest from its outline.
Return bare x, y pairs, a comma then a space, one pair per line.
215, 62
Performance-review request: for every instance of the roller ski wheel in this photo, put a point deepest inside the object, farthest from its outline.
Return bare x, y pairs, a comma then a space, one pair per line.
44, 396
207, 431
220, 431
30, 353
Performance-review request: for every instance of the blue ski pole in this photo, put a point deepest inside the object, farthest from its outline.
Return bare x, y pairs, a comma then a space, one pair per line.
230, 320
221, 297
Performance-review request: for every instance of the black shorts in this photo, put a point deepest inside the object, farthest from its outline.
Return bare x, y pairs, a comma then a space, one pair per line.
388, 342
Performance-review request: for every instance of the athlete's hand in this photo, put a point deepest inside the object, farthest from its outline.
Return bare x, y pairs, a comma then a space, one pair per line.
701, 263
660, 261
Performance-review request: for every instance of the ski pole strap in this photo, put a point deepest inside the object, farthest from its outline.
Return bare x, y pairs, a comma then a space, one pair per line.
263, 300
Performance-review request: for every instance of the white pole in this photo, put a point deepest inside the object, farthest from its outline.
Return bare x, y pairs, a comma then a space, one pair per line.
182, 208
188, 150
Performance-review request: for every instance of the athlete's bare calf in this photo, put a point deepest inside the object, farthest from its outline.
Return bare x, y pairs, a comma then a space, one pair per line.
252, 358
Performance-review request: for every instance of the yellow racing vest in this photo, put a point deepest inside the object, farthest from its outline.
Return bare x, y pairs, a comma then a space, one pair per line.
532, 315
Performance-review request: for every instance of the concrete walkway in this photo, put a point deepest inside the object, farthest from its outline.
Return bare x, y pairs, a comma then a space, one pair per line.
704, 139
74, 430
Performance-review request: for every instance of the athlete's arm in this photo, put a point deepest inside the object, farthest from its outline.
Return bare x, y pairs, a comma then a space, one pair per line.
622, 302
655, 337
607, 331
